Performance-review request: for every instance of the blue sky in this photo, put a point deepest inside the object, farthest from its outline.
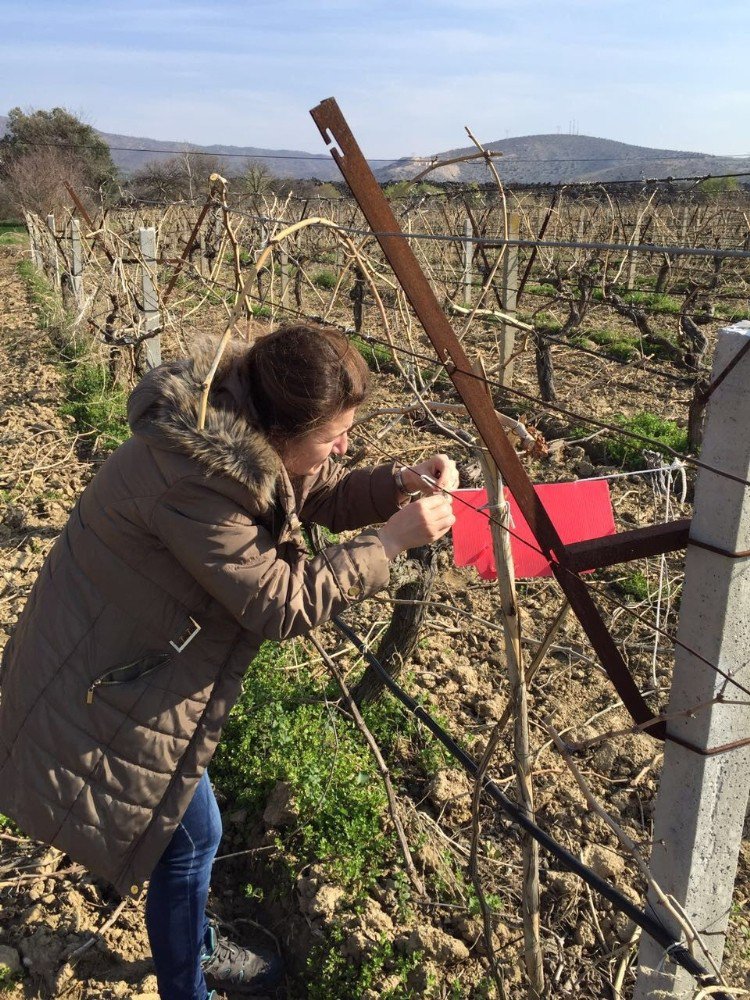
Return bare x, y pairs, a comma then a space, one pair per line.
408, 76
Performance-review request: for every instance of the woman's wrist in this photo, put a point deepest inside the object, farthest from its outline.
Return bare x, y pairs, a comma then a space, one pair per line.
390, 546
402, 486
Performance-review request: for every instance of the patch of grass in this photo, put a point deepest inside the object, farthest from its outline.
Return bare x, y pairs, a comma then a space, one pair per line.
262, 311
633, 585
93, 401
628, 452
545, 322
216, 296
12, 233
333, 977
325, 279
616, 344
541, 289
732, 315
45, 301
281, 729
377, 356
654, 302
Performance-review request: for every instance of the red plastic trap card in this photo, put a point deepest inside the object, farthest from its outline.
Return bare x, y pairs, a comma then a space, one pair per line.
579, 511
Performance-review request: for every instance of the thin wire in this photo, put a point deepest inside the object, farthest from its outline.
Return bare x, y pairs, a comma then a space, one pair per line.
496, 241
271, 155
549, 557
662, 574
599, 355
659, 445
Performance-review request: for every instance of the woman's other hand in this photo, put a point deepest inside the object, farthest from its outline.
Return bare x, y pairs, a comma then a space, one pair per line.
439, 468
420, 523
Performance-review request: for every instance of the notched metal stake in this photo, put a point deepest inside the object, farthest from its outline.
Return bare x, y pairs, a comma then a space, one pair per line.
370, 198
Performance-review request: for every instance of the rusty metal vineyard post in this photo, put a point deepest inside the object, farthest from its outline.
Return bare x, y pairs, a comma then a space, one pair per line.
359, 177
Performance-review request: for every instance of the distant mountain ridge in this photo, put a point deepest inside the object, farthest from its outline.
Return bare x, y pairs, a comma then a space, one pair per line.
558, 159
530, 159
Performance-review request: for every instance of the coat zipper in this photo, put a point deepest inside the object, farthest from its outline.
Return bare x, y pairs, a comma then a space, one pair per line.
102, 678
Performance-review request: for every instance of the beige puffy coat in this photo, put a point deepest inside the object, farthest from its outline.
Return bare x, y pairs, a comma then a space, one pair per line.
182, 555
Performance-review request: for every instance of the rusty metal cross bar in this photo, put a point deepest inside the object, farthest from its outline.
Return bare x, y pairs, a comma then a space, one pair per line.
566, 561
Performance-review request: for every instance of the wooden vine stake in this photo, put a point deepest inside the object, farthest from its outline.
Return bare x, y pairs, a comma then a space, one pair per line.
500, 511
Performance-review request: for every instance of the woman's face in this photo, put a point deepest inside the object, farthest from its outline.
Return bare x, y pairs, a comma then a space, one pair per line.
305, 455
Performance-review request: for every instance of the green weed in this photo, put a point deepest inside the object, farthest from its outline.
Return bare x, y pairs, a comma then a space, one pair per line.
94, 402
616, 344
545, 322
650, 302
732, 315
628, 452
282, 729
7, 824
542, 289
325, 279
12, 234
45, 301
7, 977
378, 357
333, 977
633, 585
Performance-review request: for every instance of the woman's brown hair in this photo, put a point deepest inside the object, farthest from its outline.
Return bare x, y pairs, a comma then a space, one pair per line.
302, 376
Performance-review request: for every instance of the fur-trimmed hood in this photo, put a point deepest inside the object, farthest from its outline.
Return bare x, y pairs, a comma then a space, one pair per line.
163, 410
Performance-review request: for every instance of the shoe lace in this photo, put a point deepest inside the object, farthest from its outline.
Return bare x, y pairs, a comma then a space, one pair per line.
232, 963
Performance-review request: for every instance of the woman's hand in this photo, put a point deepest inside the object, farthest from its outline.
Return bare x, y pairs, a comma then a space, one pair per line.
440, 468
420, 523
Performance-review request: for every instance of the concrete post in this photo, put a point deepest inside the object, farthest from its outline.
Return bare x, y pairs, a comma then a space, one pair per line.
468, 261
76, 263
633, 255
702, 800
36, 254
152, 317
54, 255
510, 297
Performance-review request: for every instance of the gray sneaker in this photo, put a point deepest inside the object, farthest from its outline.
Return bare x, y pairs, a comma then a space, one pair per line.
229, 967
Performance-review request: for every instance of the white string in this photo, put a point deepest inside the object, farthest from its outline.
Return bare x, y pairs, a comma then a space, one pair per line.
664, 483
667, 955
634, 472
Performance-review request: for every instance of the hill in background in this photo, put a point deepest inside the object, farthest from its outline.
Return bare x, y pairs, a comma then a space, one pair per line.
556, 159
531, 159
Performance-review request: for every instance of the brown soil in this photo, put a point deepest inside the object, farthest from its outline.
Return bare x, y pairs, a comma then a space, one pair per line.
51, 910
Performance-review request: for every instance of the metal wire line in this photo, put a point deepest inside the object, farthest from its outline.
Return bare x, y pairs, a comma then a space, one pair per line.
652, 369
271, 155
446, 272
659, 445
496, 242
686, 379
560, 566
368, 338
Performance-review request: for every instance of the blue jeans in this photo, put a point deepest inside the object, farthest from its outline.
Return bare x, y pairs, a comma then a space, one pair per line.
177, 895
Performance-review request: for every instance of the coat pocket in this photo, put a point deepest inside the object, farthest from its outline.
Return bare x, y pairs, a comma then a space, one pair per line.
128, 672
